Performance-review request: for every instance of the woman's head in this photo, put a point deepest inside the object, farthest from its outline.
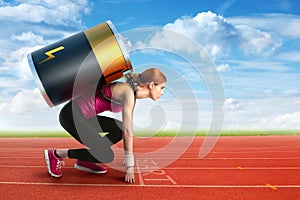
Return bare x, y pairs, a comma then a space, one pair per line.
153, 81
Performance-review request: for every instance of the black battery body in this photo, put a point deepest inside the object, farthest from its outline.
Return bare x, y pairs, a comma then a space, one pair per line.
58, 74
86, 59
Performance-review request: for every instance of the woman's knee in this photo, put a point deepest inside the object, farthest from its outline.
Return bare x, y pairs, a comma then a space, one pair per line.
106, 156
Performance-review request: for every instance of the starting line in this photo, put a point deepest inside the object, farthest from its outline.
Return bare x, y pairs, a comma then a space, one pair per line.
171, 168
160, 186
154, 173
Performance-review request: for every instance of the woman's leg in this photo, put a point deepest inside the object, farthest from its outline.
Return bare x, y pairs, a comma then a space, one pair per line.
87, 132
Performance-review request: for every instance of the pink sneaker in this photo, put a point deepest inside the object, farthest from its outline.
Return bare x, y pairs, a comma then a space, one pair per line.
90, 167
53, 163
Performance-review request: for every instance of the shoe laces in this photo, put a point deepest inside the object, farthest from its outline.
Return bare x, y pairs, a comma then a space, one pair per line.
59, 163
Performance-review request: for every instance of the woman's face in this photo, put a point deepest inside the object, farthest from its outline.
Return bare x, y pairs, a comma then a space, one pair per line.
156, 91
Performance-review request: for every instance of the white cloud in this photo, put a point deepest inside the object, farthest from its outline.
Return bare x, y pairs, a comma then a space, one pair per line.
260, 84
256, 42
264, 113
223, 67
219, 36
292, 29
291, 92
42, 22
27, 110
26, 101
29, 38
16, 65
234, 104
269, 66
292, 56
9, 86
166, 40
286, 25
64, 13
208, 29
282, 121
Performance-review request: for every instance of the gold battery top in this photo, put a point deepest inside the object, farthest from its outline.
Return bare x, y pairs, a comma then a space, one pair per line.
110, 50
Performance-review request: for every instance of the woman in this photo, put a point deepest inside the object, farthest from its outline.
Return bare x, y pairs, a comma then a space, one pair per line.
80, 115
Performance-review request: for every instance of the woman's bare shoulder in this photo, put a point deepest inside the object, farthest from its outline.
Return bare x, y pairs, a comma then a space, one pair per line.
121, 90
120, 86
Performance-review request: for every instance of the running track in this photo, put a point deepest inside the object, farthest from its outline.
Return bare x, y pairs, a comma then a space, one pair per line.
237, 168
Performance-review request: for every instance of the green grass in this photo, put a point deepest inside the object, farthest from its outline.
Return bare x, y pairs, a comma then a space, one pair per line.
230, 133
46, 134
259, 132
24, 134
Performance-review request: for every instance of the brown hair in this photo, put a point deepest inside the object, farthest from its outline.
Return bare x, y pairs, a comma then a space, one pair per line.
150, 75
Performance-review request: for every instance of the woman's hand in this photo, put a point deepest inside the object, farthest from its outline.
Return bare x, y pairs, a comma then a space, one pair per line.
129, 175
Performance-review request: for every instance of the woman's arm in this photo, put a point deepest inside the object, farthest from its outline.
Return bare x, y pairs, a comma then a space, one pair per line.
127, 115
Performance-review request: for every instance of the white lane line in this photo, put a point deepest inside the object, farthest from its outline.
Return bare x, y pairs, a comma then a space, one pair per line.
168, 179
19, 157
161, 186
173, 152
168, 168
164, 158
232, 168
283, 158
141, 180
27, 166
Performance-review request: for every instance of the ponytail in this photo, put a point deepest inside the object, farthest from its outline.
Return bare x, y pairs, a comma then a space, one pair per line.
149, 75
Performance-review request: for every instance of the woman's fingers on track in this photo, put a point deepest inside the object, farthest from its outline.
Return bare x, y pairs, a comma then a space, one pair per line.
129, 175
129, 178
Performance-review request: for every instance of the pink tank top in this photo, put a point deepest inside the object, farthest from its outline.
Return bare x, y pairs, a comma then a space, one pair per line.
91, 105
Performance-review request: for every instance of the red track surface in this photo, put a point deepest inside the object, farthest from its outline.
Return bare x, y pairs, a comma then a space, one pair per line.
236, 168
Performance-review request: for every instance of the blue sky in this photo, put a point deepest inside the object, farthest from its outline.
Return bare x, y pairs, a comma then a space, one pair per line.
254, 46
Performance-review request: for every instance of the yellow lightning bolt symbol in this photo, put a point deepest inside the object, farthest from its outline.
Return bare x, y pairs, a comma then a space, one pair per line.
50, 54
